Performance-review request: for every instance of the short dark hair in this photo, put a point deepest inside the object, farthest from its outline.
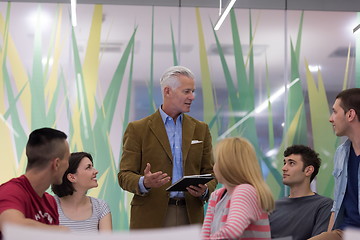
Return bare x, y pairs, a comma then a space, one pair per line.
44, 144
308, 156
66, 188
350, 99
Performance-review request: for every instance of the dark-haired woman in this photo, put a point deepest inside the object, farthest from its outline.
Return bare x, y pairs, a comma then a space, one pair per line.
76, 210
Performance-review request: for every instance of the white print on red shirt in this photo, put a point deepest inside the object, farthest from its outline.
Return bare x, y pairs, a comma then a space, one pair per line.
43, 215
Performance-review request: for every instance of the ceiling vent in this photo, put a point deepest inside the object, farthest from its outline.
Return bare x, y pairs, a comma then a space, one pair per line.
343, 52
228, 49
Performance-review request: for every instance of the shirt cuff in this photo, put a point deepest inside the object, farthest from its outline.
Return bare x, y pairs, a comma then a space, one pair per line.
142, 187
204, 195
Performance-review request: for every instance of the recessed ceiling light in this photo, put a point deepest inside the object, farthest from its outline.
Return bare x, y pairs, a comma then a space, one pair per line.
39, 18
272, 152
314, 68
45, 61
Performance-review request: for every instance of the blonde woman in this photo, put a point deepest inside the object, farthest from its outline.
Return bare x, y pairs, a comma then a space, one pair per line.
239, 210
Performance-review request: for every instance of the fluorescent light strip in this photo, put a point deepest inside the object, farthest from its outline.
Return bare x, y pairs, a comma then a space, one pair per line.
73, 13
224, 14
259, 109
220, 8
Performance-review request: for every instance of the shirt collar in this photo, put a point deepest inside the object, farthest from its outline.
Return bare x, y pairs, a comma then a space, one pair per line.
164, 116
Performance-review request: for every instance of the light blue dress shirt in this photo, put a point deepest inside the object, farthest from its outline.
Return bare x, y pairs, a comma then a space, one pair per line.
340, 174
174, 132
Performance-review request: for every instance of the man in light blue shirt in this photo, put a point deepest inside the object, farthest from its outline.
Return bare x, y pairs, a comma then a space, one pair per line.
346, 207
162, 148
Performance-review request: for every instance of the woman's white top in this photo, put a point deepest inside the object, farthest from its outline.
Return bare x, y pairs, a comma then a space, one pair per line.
99, 210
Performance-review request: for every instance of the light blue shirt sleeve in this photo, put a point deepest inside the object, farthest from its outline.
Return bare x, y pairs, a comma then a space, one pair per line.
142, 186
203, 196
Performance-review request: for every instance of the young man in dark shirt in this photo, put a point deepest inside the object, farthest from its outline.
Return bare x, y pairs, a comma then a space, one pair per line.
303, 213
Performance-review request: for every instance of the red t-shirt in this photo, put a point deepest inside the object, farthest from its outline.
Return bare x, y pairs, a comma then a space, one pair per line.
18, 194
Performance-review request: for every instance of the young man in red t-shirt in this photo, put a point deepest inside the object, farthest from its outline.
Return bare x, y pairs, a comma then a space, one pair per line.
23, 200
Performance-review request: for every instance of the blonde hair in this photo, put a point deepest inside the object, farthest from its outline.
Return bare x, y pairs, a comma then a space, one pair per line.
237, 163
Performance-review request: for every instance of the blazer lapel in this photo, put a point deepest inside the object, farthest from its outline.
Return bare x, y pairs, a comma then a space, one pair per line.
188, 128
157, 126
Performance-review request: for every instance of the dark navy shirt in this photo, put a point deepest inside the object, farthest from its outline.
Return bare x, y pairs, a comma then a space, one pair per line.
350, 203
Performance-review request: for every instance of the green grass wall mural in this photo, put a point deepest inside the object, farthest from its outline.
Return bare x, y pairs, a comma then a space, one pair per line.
67, 78
85, 132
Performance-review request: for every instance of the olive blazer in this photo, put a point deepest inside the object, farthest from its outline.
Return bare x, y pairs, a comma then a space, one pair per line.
146, 141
